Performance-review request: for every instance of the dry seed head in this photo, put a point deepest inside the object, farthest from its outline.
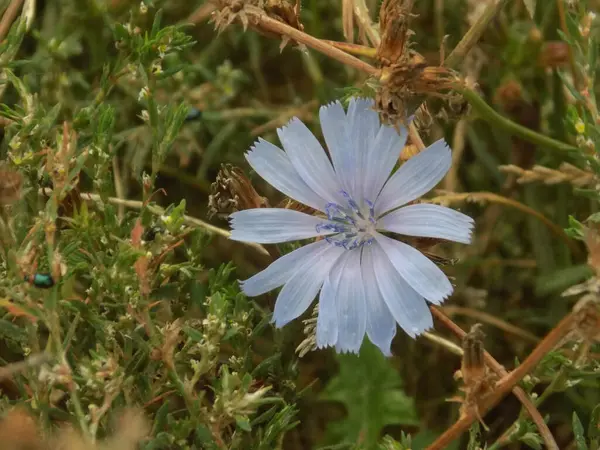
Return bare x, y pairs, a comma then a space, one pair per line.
402, 84
478, 381
285, 12
248, 12
394, 21
473, 366
232, 191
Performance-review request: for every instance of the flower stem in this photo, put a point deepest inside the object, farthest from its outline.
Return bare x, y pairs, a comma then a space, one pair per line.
487, 113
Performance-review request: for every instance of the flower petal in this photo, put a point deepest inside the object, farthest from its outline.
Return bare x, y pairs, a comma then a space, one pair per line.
335, 131
381, 325
351, 305
299, 292
406, 305
415, 177
363, 125
310, 160
273, 225
275, 167
280, 271
327, 320
432, 221
383, 154
416, 269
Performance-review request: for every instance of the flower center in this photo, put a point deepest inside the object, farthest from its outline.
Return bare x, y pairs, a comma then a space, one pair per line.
354, 225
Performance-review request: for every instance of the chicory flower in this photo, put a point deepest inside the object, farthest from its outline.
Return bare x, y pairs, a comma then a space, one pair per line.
367, 281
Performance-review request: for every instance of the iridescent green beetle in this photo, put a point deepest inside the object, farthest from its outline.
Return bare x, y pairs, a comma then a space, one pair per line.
40, 280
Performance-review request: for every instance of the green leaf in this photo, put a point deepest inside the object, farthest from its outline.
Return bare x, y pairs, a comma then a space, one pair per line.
559, 280
370, 390
579, 433
594, 426
9, 330
243, 423
474, 437
156, 23
533, 440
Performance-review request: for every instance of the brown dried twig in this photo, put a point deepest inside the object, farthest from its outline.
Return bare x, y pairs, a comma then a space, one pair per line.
9, 17
491, 320
505, 384
249, 14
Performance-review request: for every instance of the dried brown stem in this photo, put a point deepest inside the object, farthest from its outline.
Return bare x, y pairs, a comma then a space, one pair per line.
491, 320
268, 24
353, 49
506, 383
9, 17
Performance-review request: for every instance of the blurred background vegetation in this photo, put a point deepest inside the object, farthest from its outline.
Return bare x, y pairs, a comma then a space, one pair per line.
118, 304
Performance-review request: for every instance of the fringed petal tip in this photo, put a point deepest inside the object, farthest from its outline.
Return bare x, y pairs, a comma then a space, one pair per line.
290, 122
342, 350
335, 103
359, 100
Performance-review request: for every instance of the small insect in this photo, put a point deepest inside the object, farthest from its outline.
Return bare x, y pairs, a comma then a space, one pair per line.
40, 280
151, 233
441, 260
193, 114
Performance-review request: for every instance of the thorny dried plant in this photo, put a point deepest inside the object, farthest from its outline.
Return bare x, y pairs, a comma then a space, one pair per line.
232, 191
405, 78
478, 380
394, 22
247, 12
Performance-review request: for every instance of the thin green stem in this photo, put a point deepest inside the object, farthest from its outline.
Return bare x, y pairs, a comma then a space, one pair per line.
487, 113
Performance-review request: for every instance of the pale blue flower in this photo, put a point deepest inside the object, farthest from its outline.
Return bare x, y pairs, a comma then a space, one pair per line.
367, 281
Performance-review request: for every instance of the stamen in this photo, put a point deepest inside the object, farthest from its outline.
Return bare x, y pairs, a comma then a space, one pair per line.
371, 206
350, 223
352, 204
